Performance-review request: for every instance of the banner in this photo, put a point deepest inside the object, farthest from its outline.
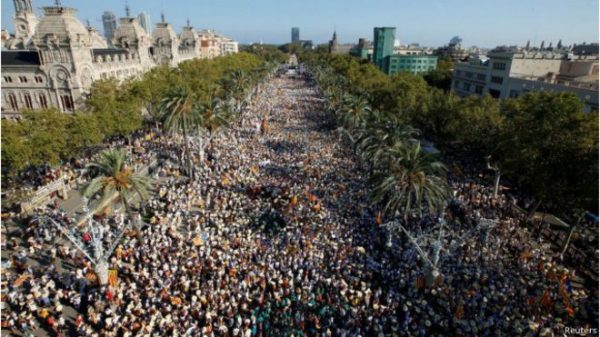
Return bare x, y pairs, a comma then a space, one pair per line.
112, 277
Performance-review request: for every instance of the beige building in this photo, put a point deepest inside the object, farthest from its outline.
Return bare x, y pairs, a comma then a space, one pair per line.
52, 61
213, 44
512, 72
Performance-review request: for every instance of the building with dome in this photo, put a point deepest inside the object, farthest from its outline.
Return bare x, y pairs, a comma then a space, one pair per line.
52, 61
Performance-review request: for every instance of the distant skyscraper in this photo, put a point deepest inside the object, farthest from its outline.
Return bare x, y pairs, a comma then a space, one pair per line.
109, 20
383, 44
144, 20
295, 34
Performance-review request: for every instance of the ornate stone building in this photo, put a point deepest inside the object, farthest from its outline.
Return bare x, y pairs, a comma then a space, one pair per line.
52, 61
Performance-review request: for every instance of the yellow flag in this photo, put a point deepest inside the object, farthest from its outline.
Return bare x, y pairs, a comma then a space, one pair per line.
112, 277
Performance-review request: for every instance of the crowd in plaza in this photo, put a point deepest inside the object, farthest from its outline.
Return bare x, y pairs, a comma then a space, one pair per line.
275, 237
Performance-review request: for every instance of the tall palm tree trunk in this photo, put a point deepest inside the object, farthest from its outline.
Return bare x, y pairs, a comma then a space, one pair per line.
186, 150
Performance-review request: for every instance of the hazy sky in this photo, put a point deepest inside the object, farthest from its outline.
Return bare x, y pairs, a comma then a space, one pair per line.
485, 23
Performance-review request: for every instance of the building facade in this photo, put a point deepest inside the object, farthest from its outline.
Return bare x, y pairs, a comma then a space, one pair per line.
56, 65
452, 50
109, 22
333, 44
362, 50
295, 34
415, 64
144, 20
512, 72
392, 61
383, 44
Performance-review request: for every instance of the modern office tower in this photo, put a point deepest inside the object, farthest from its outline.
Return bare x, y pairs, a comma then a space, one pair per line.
295, 34
144, 20
109, 20
383, 44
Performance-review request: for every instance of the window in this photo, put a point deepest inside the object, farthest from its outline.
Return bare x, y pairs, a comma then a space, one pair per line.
22, 79
481, 77
67, 102
456, 84
494, 93
479, 89
458, 72
43, 101
499, 66
7, 79
38, 79
469, 74
467, 86
12, 99
28, 103
513, 94
496, 79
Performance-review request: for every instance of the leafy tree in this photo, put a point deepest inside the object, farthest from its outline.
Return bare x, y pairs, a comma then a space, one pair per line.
269, 53
476, 126
115, 176
405, 94
441, 77
46, 131
83, 131
17, 154
441, 109
550, 146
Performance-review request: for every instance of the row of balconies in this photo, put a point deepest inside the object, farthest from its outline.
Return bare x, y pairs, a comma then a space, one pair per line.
115, 58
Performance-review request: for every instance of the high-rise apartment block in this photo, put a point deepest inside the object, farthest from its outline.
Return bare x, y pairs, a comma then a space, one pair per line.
295, 34
144, 20
109, 21
391, 63
383, 44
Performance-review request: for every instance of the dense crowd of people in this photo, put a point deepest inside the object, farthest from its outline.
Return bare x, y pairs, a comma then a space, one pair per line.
275, 237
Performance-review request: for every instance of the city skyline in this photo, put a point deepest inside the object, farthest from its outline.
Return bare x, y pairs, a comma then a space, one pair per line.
432, 23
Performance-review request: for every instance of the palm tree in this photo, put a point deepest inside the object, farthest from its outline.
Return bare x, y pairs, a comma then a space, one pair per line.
334, 96
214, 115
237, 86
381, 134
115, 176
181, 116
353, 112
407, 178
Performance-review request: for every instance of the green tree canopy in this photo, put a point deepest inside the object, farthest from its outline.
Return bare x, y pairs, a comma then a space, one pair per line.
550, 147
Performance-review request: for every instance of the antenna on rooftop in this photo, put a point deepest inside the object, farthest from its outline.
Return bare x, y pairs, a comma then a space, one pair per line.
188, 21
162, 16
57, 3
126, 9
